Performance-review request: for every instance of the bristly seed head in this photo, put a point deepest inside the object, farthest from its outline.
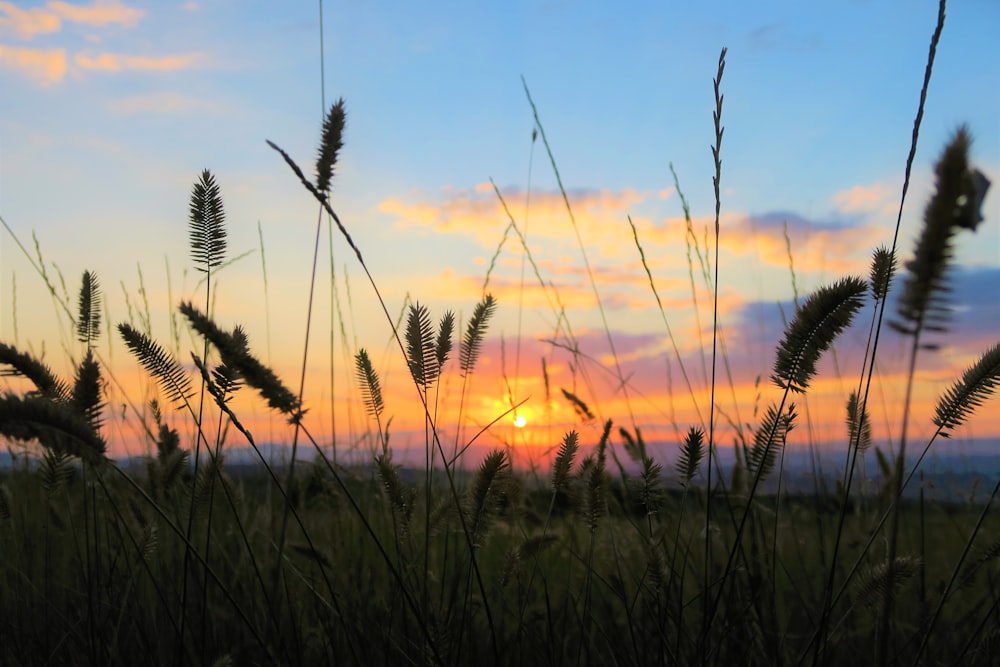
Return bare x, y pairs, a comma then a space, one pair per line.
333, 141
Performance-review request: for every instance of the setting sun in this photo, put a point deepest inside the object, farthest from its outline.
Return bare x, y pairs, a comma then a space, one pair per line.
520, 421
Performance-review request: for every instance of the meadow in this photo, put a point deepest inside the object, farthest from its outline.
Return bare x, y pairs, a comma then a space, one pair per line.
611, 555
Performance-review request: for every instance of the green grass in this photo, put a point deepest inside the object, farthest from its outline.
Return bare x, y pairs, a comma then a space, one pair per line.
609, 557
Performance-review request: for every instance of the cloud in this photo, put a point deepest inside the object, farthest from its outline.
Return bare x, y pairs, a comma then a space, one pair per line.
102, 12
600, 214
815, 246
26, 23
163, 102
43, 66
866, 199
116, 62
840, 244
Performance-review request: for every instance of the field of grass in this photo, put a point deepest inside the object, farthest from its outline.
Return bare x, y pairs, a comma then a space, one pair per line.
608, 557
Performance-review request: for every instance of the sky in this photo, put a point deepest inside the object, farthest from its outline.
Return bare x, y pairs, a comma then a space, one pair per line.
110, 110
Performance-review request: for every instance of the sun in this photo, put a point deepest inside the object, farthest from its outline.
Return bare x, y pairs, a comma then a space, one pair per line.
520, 421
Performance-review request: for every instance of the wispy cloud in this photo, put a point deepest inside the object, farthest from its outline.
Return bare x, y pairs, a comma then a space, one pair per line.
841, 243
117, 62
27, 23
43, 66
600, 214
100, 13
866, 199
815, 246
46, 67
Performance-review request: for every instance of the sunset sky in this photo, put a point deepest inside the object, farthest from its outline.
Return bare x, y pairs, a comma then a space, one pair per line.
110, 110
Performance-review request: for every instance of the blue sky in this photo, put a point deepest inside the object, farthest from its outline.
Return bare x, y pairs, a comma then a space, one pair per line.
109, 110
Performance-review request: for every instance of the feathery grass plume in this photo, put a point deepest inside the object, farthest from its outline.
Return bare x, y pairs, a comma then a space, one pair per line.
22, 363
168, 440
171, 461
332, 142
737, 480
578, 405
370, 386
220, 383
421, 354
169, 467
769, 439
635, 447
887, 474
986, 555
57, 426
88, 320
234, 350
873, 583
596, 482
475, 331
203, 491
206, 230
485, 492
978, 383
227, 379
564, 460
55, 471
692, 451
446, 327
401, 497
823, 316
158, 363
648, 487
923, 301
87, 390
859, 427
883, 270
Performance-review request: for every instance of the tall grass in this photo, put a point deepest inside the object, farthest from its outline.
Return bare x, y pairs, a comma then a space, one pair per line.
612, 557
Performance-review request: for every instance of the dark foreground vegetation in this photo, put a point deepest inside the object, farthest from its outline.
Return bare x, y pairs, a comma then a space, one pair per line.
614, 556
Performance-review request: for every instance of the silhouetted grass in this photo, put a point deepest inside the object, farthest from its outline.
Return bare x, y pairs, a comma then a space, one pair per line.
611, 557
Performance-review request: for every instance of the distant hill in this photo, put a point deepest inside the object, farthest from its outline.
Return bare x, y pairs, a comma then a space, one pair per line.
959, 471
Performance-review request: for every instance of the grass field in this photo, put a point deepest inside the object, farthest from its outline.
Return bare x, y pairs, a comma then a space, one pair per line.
610, 556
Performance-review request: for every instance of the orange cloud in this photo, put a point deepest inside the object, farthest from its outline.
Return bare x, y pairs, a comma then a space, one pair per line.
102, 12
600, 215
875, 198
115, 62
602, 222
815, 246
43, 66
26, 23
